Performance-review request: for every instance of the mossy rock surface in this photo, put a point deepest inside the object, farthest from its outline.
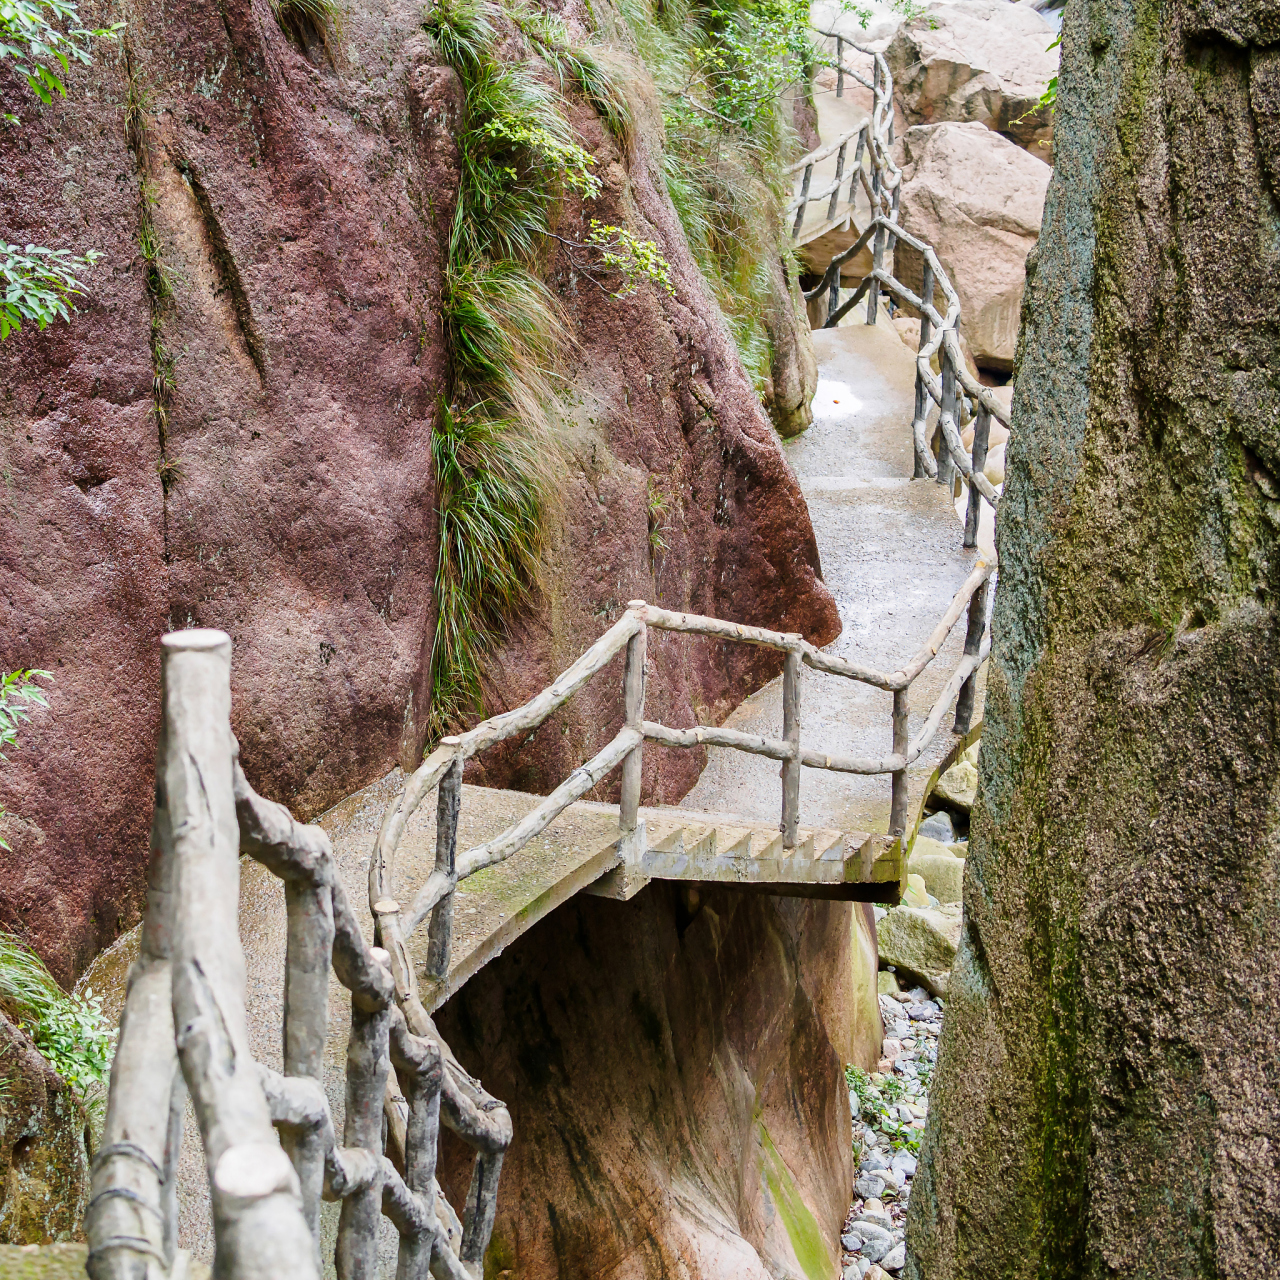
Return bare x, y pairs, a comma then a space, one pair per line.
59, 1262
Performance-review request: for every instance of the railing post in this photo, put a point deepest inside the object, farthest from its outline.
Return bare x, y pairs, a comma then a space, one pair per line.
898, 792
440, 935
791, 732
839, 66
946, 464
978, 603
804, 200
630, 828
981, 434
857, 168
308, 951
259, 1229
835, 191
922, 392
873, 294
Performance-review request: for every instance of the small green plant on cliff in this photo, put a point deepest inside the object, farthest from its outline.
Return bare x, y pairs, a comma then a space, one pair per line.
20, 692
637, 260
70, 1030
42, 38
38, 285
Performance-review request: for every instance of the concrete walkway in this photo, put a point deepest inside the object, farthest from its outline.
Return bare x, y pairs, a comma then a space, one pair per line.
891, 553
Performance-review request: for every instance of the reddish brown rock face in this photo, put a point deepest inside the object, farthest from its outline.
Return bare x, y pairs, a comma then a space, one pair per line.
676, 1092
302, 217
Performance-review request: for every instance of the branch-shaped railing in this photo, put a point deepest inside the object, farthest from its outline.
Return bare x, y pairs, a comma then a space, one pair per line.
960, 397
271, 1151
442, 769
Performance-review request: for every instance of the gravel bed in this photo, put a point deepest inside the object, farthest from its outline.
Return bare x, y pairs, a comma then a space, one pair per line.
889, 1107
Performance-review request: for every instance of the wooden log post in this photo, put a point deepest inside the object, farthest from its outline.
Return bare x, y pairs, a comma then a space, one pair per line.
791, 732
873, 293
835, 190
259, 1229
368, 1060
440, 931
308, 950
132, 1218
633, 763
981, 435
839, 66
978, 609
856, 173
950, 402
898, 787
804, 200
420, 1069
920, 420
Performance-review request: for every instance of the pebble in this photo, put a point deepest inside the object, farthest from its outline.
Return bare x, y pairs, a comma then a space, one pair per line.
876, 1241
876, 1161
904, 1163
869, 1186
895, 1259
937, 826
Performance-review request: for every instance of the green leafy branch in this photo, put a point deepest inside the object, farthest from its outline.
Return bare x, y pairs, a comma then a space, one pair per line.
71, 1031
638, 260
38, 284
30, 34
552, 150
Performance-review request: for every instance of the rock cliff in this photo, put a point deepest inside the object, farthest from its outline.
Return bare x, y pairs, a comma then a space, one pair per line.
235, 431
718, 1144
1107, 1101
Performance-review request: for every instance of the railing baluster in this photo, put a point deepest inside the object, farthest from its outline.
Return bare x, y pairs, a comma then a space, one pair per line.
981, 434
835, 190
791, 732
857, 166
873, 293
978, 604
950, 402
367, 1065
632, 764
919, 443
898, 787
308, 951
440, 936
804, 200
839, 66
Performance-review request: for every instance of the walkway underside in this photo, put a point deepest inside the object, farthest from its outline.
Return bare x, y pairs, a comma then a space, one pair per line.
580, 851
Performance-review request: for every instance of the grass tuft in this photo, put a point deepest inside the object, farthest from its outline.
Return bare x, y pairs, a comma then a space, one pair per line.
310, 22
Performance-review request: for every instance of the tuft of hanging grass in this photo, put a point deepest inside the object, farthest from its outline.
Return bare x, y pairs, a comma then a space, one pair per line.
490, 500
309, 22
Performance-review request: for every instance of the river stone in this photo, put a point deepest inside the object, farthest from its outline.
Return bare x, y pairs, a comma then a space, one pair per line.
895, 1259
1107, 1101
886, 983
869, 1186
942, 872
876, 1241
937, 827
922, 943
958, 786
44, 1171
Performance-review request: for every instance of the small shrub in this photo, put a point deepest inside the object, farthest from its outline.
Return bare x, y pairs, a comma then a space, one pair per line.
637, 260
38, 284
71, 1031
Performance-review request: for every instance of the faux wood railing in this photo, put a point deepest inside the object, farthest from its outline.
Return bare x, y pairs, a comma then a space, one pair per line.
957, 393
271, 1151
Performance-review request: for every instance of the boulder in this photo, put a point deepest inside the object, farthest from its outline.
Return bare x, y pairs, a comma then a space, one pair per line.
959, 785
886, 983
44, 1168
977, 199
941, 870
981, 61
676, 1087
922, 943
